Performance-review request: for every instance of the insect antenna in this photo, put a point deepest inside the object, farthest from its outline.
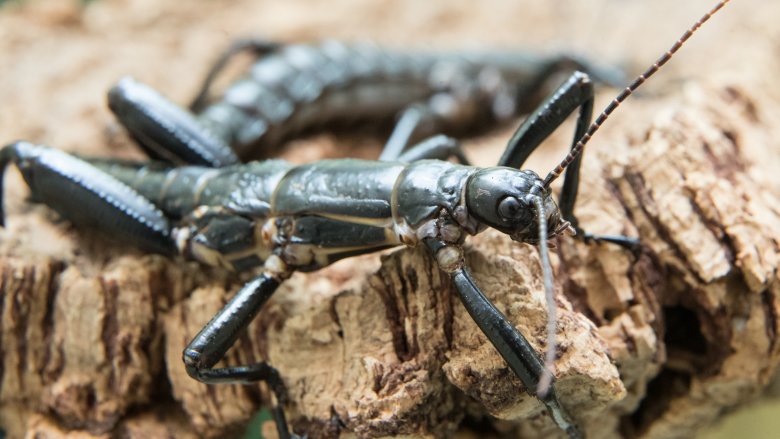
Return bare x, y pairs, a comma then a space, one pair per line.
546, 379
549, 358
577, 149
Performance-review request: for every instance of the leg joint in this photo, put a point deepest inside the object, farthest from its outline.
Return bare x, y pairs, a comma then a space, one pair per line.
192, 364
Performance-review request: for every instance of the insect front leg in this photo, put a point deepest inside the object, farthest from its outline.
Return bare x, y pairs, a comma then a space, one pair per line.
521, 357
471, 94
529, 91
576, 92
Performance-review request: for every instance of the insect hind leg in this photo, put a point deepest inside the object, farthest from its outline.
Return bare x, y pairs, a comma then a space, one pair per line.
165, 130
88, 196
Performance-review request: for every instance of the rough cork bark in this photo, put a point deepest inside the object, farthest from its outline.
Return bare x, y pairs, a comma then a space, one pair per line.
658, 346
653, 346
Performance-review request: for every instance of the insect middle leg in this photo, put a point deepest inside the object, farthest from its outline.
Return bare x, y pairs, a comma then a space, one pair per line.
219, 334
90, 197
576, 92
439, 147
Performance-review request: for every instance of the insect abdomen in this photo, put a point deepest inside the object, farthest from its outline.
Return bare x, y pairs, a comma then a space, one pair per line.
242, 189
304, 86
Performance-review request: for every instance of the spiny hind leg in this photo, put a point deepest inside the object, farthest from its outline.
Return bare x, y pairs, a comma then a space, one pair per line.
89, 197
169, 132
165, 130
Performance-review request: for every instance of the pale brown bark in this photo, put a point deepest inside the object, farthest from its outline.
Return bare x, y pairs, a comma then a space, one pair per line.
654, 346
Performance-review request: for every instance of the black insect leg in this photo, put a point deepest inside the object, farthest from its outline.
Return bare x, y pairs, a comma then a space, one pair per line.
439, 147
406, 129
219, 334
420, 119
88, 197
529, 90
576, 92
169, 132
165, 130
521, 357
258, 47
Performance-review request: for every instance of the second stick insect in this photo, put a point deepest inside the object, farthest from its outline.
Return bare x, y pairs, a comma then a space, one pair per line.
278, 218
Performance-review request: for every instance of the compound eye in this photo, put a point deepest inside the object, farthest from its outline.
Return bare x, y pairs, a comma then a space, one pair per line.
510, 208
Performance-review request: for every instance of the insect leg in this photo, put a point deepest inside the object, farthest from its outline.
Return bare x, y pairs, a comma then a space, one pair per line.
528, 91
576, 92
88, 196
439, 147
257, 46
521, 357
165, 130
422, 119
169, 132
219, 334
412, 118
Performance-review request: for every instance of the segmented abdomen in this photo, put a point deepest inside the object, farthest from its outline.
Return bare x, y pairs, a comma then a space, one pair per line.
304, 86
243, 189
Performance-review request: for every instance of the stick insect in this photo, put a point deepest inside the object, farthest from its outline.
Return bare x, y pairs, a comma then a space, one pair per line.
279, 218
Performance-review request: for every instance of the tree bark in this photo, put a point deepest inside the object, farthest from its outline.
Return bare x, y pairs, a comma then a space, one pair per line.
650, 345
